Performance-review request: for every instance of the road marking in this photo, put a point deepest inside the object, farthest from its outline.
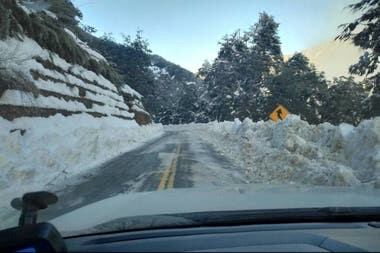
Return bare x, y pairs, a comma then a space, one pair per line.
168, 176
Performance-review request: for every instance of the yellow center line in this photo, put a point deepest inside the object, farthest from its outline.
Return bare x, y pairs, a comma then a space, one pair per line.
168, 176
174, 169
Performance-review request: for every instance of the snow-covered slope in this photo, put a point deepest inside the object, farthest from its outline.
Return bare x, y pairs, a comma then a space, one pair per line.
57, 118
294, 152
60, 86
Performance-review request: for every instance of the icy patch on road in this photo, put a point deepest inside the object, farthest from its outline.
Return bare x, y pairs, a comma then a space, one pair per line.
38, 152
209, 169
198, 162
294, 152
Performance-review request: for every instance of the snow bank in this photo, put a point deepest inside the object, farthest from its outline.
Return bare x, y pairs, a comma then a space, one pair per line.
294, 152
45, 151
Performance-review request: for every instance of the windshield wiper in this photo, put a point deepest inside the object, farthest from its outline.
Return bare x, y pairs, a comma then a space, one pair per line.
297, 215
236, 218
137, 223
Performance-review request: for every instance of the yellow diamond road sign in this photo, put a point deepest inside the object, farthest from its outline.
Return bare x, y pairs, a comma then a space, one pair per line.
280, 113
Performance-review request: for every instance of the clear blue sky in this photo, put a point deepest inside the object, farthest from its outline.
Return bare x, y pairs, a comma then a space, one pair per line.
187, 32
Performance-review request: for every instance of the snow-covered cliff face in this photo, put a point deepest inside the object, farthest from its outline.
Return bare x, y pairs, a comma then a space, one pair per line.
58, 118
38, 83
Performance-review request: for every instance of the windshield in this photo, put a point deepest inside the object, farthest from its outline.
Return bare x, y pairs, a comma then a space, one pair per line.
128, 109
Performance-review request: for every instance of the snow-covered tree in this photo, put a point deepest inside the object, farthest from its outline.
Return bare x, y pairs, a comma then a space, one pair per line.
344, 102
238, 78
364, 32
263, 61
265, 44
225, 77
300, 88
204, 70
372, 101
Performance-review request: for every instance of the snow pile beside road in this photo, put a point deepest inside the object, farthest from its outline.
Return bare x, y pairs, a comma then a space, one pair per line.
38, 152
292, 151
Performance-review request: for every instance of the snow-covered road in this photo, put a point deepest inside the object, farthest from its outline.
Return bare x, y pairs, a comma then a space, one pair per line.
214, 154
178, 159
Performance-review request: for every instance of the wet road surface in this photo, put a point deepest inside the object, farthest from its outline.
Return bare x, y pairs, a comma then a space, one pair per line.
178, 159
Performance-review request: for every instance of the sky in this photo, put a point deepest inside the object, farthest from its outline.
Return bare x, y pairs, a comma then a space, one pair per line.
187, 32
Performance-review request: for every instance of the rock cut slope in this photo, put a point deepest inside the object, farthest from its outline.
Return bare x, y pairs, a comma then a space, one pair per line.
40, 83
60, 113
36, 81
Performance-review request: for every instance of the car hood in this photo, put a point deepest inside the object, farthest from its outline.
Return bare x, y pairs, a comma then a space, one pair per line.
209, 199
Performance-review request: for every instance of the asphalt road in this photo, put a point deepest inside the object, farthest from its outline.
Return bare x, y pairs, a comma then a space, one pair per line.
178, 159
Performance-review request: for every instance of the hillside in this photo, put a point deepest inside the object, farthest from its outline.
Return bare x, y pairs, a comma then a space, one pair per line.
170, 92
177, 92
333, 57
41, 78
38, 83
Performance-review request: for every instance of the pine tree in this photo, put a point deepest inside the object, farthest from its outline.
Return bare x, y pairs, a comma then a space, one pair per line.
136, 63
204, 70
88, 29
364, 32
264, 60
344, 102
266, 44
372, 101
225, 76
66, 12
188, 104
